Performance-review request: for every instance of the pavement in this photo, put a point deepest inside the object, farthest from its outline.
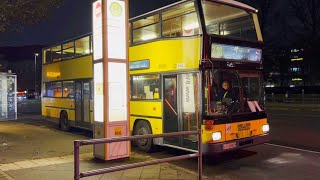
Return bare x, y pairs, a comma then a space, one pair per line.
62, 168
32, 149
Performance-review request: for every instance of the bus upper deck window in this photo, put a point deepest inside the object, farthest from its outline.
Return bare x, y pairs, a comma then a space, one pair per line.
56, 53
82, 46
47, 56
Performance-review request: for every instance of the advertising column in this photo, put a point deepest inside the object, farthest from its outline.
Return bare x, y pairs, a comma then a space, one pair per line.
111, 89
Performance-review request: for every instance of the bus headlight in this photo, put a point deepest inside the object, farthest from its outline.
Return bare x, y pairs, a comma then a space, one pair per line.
216, 136
265, 128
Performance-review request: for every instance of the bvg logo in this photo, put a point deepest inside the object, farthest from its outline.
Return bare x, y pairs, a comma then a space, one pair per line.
116, 9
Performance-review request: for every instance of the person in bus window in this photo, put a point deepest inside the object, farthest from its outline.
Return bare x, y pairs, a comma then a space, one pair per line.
227, 92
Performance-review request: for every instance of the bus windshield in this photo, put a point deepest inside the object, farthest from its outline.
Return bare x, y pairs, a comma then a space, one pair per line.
229, 21
230, 92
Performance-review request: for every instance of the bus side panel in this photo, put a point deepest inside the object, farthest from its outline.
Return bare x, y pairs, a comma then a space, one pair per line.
52, 107
79, 68
168, 55
156, 124
147, 110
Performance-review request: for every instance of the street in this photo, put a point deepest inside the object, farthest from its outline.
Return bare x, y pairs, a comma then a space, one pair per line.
293, 153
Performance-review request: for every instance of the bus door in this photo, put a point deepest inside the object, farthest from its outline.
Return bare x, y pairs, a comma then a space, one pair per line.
170, 109
181, 108
82, 101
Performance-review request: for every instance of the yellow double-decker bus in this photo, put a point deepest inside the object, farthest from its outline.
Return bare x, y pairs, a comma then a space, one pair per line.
67, 83
193, 65
197, 64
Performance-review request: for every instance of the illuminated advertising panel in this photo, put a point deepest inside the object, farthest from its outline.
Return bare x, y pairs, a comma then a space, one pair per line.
97, 30
116, 28
236, 53
142, 64
117, 74
98, 92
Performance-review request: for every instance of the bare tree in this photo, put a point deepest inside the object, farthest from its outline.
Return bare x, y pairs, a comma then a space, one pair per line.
305, 25
15, 14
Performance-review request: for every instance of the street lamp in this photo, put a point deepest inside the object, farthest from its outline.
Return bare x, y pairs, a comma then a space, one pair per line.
35, 72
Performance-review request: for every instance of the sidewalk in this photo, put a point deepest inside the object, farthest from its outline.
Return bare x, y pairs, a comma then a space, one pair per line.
62, 168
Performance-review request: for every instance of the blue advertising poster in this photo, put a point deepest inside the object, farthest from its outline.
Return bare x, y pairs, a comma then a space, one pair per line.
142, 64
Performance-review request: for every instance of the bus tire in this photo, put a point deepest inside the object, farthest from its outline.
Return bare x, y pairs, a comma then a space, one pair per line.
64, 122
145, 145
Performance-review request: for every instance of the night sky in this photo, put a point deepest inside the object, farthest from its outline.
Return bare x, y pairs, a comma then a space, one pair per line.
72, 19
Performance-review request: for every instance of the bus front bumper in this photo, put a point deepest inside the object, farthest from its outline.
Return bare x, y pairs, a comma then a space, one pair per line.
235, 144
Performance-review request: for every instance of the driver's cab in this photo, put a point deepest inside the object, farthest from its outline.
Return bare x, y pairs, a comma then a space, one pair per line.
232, 92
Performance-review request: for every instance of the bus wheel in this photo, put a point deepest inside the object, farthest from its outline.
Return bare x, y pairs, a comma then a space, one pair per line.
145, 145
64, 124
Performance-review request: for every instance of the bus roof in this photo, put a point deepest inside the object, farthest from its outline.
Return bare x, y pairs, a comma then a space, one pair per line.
236, 4
226, 2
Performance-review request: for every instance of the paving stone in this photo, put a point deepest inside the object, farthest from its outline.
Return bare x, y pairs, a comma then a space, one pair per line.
8, 167
149, 176
26, 164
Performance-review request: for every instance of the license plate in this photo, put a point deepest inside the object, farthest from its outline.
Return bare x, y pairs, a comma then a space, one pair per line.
244, 134
229, 146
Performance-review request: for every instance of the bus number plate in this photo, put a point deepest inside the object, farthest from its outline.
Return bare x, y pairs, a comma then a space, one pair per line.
229, 146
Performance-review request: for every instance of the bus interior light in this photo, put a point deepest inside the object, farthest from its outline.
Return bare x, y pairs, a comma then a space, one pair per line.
149, 37
216, 136
191, 26
266, 128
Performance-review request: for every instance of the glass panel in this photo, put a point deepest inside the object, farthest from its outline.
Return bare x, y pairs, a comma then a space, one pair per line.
68, 50
83, 46
145, 87
186, 25
47, 56
78, 101
54, 89
189, 107
8, 109
229, 92
146, 21
229, 21
146, 33
178, 11
56, 53
86, 102
68, 89
170, 114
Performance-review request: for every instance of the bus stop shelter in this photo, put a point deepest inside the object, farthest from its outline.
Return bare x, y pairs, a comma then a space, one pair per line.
8, 96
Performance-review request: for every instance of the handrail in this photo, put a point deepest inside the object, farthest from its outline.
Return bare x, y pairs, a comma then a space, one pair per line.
78, 143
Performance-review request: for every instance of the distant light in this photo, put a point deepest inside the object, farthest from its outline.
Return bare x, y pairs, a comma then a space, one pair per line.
36, 54
292, 85
297, 59
25, 92
270, 85
297, 79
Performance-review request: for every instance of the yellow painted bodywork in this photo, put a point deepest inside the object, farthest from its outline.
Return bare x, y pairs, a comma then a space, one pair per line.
72, 69
78, 68
52, 107
150, 111
255, 129
168, 55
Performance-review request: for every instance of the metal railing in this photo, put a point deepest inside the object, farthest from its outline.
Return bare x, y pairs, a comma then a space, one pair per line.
78, 143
